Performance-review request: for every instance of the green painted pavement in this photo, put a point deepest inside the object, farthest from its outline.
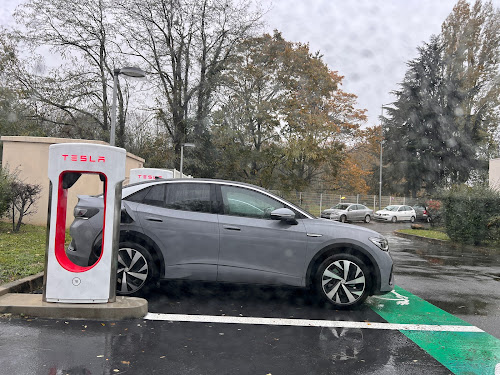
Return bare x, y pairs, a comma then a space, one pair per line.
463, 353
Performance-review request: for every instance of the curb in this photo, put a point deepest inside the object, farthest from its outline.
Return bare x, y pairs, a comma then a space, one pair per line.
25, 285
16, 298
32, 305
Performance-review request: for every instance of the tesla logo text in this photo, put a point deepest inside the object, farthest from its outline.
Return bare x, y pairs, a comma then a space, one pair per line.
147, 176
88, 158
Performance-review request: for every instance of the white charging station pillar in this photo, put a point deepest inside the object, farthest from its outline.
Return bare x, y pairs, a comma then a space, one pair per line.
66, 281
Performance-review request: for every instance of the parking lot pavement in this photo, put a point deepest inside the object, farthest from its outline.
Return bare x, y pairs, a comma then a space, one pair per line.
464, 281
276, 330
156, 346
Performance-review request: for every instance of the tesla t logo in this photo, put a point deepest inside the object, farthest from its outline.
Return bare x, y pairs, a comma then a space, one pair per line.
88, 158
147, 177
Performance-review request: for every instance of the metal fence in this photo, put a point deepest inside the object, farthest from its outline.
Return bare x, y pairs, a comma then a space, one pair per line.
316, 202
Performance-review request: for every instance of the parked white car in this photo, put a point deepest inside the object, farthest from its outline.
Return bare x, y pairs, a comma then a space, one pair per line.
396, 213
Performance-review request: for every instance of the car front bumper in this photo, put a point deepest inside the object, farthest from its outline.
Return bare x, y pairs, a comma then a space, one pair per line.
382, 217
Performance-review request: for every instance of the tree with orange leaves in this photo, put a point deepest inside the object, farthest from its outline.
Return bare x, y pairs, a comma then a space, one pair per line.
285, 121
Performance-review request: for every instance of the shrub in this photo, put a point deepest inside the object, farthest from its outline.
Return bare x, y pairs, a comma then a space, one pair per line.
494, 229
467, 212
23, 199
434, 208
5, 191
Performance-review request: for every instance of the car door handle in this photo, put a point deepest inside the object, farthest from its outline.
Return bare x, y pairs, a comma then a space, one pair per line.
155, 219
228, 227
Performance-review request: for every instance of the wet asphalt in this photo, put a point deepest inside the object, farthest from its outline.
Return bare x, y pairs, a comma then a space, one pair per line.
462, 281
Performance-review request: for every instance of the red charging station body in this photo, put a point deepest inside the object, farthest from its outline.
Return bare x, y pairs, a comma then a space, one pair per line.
64, 280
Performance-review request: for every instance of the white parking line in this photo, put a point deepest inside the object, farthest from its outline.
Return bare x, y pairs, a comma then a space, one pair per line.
307, 323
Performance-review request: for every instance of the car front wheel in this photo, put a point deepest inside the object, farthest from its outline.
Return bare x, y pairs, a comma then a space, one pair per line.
343, 219
368, 218
343, 280
135, 269
394, 219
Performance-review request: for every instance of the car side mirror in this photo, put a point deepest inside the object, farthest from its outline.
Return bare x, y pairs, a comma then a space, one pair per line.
284, 214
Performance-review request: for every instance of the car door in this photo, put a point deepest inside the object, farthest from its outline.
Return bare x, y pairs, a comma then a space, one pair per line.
363, 211
352, 213
180, 217
253, 247
401, 213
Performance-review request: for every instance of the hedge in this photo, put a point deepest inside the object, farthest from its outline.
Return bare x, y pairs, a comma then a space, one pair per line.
469, 214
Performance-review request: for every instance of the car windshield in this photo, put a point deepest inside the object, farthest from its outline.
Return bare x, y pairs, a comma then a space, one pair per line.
391, 208
341, 206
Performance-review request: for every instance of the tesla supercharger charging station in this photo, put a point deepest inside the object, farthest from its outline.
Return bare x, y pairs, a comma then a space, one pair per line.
66, 281
148, 174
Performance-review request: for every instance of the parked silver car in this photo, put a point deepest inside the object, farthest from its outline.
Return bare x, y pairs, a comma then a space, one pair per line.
225, 231
344, 212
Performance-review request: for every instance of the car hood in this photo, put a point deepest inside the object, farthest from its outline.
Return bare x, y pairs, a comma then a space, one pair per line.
336, 229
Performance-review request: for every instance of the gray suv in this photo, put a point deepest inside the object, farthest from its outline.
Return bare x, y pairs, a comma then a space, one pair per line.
215, 230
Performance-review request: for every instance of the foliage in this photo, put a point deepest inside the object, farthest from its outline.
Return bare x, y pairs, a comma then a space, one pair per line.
185, 45
434, 208
467, 211
21, 253
5, 192
494, 229
23, 198
285, 120
439, 131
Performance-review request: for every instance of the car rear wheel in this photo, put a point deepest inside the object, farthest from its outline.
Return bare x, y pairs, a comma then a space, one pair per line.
394, 219
343, 280
343, 219
412, 219
368, 218
135, 269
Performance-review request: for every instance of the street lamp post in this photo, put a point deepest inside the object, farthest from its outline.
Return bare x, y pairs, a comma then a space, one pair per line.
129, 72
182, 154
381, 151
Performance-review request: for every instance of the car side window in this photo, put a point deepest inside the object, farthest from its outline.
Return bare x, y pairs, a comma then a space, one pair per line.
155, 196
189, 197
248, 203
138, 196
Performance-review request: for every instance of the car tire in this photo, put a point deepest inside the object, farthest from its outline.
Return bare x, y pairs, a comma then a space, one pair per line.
412, 219
136, 270
428, 219
334, 281
343, 219
368, 218
394, 219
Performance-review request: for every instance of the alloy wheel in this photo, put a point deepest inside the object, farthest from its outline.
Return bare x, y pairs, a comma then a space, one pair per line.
132, 270
343, 282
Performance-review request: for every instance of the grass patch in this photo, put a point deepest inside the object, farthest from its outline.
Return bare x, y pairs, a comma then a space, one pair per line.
21, 254
437, 235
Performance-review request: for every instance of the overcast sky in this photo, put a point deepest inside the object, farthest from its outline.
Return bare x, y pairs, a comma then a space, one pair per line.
366, 41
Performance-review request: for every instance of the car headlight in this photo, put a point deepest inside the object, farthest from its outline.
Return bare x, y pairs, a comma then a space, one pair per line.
380, 242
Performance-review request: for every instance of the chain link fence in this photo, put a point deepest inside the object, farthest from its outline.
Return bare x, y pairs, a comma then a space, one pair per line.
316, 202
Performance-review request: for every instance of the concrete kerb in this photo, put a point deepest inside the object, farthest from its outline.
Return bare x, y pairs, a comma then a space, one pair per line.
16, 298
25, 285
